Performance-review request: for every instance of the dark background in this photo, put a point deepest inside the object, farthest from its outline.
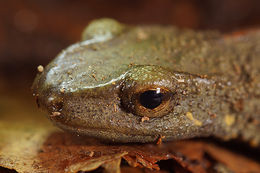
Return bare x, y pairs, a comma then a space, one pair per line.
32, 32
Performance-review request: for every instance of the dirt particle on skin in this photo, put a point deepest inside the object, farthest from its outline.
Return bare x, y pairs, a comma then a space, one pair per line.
145, 119
159, 141
40, 68
55, 114
229, 119
180, 80
91, 154
189, 115
94, 76
115, 108
131, 64
62, 90
195, 121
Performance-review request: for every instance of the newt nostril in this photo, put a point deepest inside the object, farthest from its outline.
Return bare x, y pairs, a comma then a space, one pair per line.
55, 104
52, 103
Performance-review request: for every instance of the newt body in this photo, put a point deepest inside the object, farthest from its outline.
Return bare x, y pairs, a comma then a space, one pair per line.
136, 84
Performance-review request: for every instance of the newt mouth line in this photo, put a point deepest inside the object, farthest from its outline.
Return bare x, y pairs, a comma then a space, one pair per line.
108, 134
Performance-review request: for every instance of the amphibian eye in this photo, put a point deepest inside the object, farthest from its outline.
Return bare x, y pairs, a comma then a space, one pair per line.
151, 99
148, 101
148, 91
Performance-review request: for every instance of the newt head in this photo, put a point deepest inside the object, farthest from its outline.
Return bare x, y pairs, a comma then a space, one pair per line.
135, 84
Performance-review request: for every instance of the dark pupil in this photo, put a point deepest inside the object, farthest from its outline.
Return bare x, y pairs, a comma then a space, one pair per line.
151, 99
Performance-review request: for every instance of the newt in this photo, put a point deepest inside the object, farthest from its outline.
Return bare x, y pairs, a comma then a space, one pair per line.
126, 83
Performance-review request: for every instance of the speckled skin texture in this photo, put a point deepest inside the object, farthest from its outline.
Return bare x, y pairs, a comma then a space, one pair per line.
214, 81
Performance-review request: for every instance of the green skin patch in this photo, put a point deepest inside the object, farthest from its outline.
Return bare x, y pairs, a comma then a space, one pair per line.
209, 84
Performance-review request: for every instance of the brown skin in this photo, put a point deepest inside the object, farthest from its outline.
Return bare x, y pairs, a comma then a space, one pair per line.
210, 83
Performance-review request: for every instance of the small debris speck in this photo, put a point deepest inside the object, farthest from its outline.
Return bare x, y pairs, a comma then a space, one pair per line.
91, 154
40, 68
159, 141
131, 64
55, 114
229, 119
145, 119
94, 76
180, 80
115, 108
189, 115
196, 122
62, 90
